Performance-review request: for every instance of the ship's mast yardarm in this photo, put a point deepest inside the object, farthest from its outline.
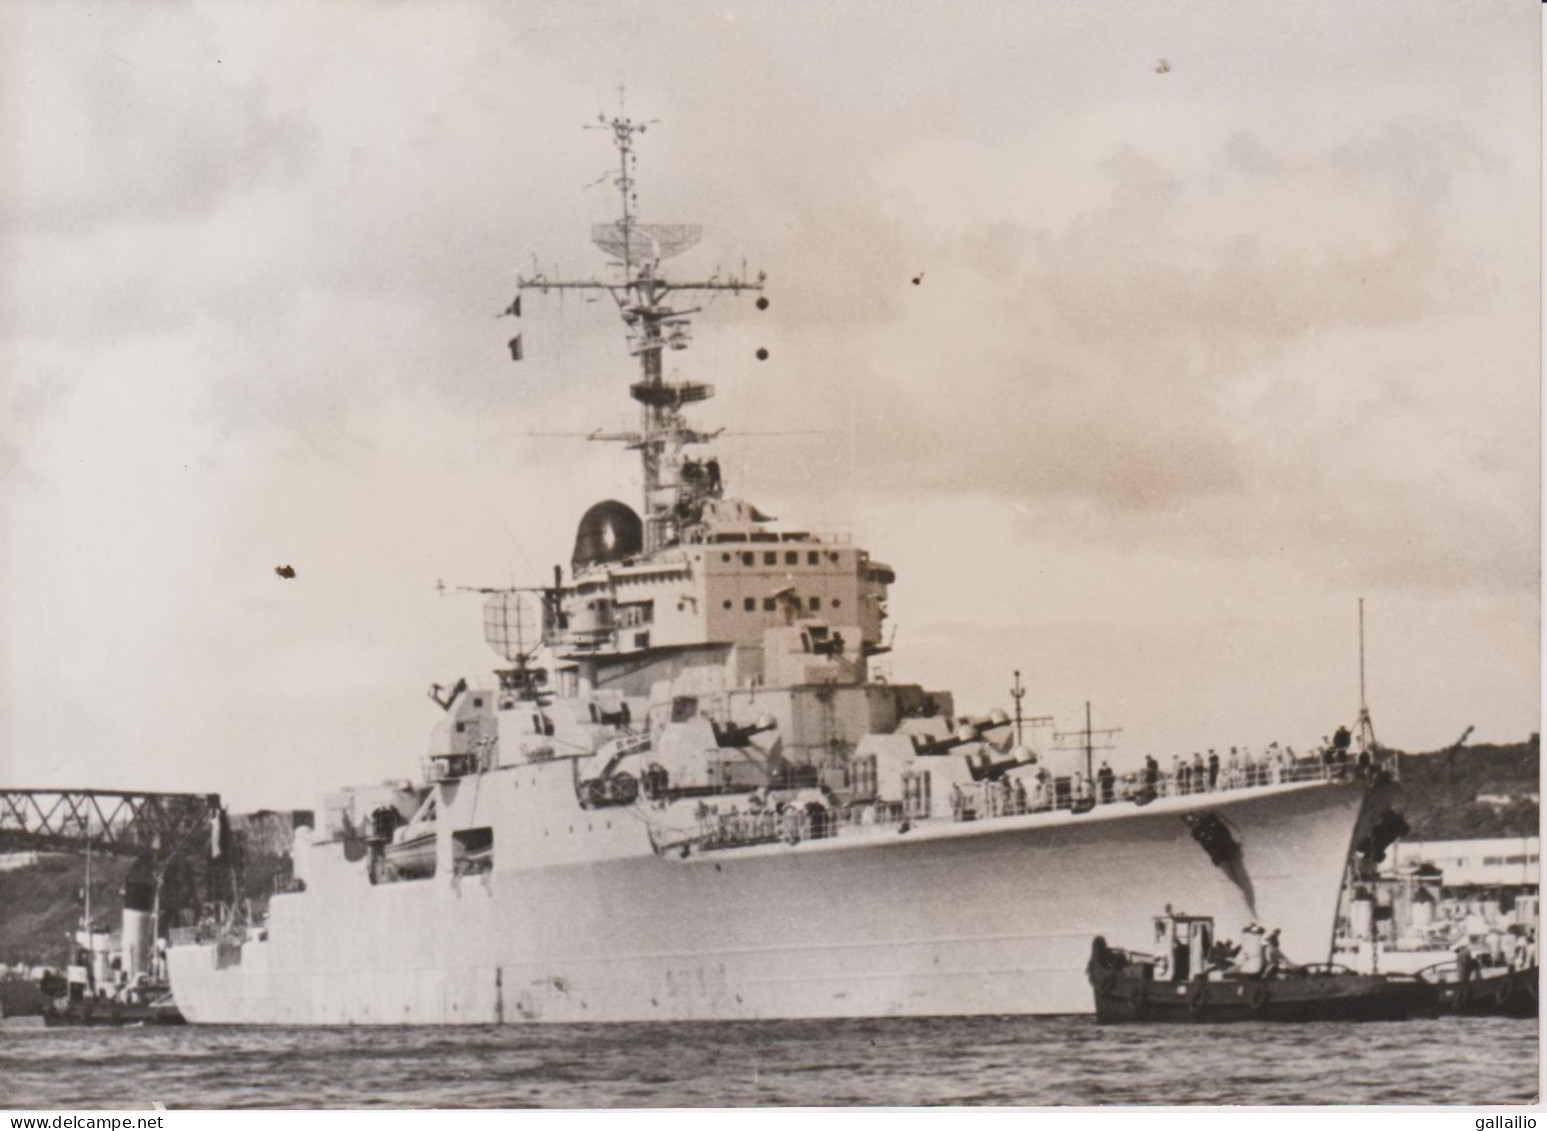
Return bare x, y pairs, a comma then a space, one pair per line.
654, 326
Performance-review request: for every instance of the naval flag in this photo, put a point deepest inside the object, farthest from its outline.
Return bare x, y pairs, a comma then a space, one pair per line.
515, 348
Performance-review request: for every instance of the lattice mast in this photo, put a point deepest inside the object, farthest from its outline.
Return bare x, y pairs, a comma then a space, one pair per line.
1366, 726
654, 326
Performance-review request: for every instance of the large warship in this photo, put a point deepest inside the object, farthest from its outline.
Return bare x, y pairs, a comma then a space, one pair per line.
686, 794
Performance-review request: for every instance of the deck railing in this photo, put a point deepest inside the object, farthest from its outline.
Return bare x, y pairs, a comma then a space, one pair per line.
1005, 797
1014, 797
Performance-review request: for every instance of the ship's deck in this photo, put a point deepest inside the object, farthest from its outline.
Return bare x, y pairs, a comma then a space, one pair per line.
771, 821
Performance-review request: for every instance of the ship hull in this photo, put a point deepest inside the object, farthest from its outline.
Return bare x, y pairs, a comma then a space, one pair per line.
994, 917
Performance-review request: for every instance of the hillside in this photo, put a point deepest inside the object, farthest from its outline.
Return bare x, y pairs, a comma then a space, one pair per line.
43, 903
1441, 791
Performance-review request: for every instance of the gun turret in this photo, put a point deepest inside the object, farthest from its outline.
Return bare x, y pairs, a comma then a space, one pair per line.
737, 736
966, 731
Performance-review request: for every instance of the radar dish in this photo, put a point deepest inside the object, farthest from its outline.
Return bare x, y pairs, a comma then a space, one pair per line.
511, 627
646, 241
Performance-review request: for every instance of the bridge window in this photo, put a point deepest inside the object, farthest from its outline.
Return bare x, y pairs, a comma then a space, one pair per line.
770, 557
748, 558
815, 603
768, 604
813, 557
791, 557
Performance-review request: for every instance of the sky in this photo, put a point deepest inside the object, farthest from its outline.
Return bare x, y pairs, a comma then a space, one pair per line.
1200, 354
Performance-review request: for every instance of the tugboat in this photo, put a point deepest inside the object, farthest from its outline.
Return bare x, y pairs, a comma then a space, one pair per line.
1198, 978
102, 983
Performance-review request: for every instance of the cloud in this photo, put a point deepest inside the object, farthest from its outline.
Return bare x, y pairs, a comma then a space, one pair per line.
1178, 365
124, 124
1205, 349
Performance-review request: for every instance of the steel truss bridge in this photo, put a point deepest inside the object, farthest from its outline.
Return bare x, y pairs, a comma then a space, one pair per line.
156, 826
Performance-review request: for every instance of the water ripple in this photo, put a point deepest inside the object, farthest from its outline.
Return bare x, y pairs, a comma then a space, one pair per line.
915, 1061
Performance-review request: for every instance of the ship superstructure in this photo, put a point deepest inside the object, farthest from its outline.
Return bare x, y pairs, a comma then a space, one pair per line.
686, 795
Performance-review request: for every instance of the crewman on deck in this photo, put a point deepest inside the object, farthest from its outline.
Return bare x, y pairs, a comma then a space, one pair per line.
1080, 788
1276, 958
1466, 965
1510, 944
1496, 947
1213, 770
1252, 951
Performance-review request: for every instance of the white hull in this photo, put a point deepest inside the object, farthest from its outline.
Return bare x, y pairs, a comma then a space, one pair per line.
991, 917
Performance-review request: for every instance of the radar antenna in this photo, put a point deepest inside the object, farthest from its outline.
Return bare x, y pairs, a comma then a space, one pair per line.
653, 326
510, 627
516, 628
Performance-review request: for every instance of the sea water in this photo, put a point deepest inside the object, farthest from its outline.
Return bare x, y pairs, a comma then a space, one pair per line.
905, 1061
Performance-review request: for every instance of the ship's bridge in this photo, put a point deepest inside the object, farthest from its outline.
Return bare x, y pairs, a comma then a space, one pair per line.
735, 581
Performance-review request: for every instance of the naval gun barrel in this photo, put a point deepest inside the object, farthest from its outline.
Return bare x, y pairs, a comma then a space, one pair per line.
734, 735
966, 731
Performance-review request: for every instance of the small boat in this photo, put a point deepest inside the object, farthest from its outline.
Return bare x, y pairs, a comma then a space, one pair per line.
113, 1011
412, 856
1189, 982
411, 851
1457, 989
53, 1003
